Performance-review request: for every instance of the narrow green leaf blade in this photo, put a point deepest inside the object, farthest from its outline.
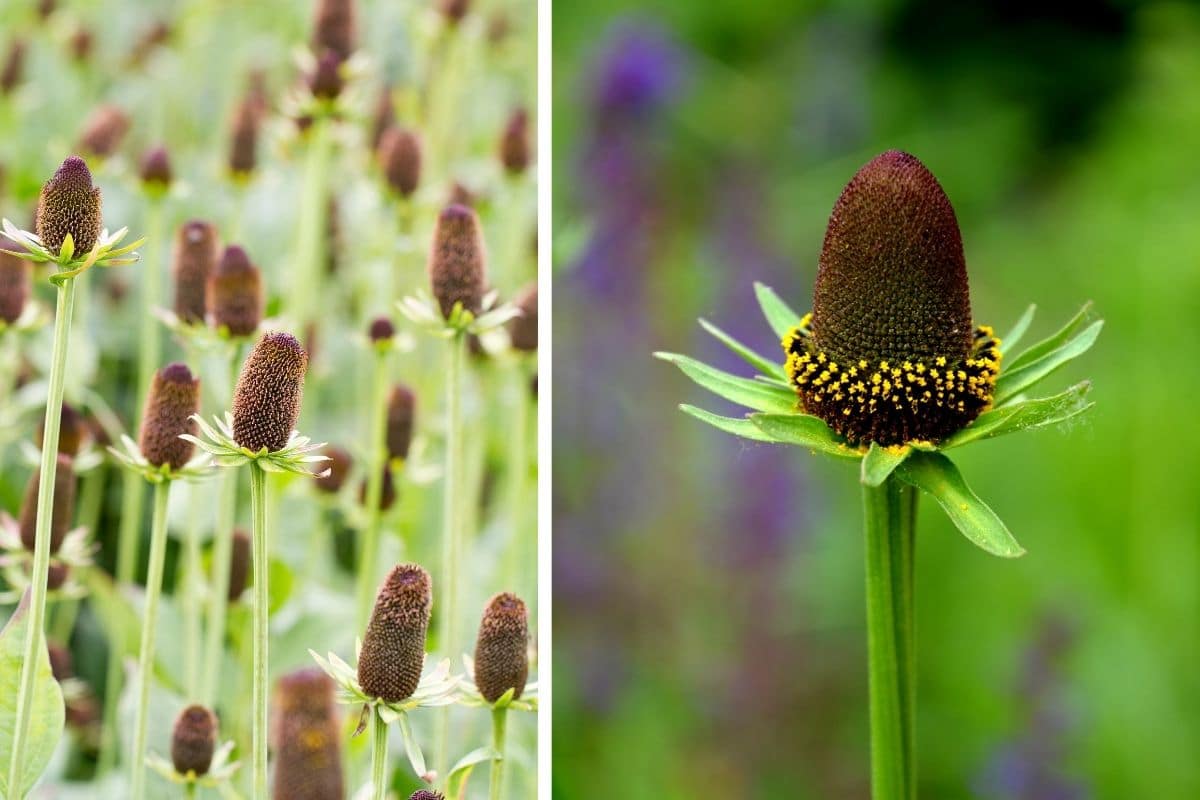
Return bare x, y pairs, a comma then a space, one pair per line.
1025, 415
757, 361
779, 315
413, 750
1050, 343
936, 475
1017, 332
1014, 381
743, 391
738, 427
880, 462
803, 430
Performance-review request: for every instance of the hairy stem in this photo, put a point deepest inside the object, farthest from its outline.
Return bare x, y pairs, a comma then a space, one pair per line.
258, 536
376, 459
379, 743
499, 726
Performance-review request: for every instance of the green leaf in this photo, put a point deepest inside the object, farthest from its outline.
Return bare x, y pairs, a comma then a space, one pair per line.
1014, 381
456, 779
1025, 415
738, 427
935, 474
413, 750
743, 391
880, 462
1017, 332
780, 317
803, 430
762, 363
47, 712
1050, 343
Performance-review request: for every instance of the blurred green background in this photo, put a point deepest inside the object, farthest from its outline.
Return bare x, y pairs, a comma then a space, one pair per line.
709, 635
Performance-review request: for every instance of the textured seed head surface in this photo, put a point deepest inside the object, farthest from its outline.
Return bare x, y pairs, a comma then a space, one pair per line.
69, 203
103, 131
234, 295
239, 564
339, 464
73, 431
174, 397
523, 330
194, 259
243, 140
401, 414
62, 508
514, 144
16, 284
501, 651
393, 649
458, 260
155, 169
266, 401
307, 735
194, 740
400, 160
381, 329
335, 27
427, 794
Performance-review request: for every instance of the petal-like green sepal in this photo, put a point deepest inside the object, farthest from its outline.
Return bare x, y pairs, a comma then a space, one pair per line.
1017, 332
762, 363
1024, 415
1025, 373
880, 462
743, 391
779, 315
412, 749
738, 427
936, 475
803, 430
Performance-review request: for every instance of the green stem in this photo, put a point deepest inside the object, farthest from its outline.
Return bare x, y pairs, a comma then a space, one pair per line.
154, 578
518, 482
379, 741
311, 226
376, 455
499, 724
258, 537
190, 789
192, 577
890, 638
34, 636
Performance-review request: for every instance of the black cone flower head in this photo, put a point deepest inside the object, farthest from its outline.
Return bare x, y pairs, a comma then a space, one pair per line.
326, 81
243, 141
63, 507
889, 353
235, 293
501, 651
334, 27
401, 411
14, 66
387, 490
308, 759
174, 397
104, 131
338, 467
453, 11
523, 330
194, 260
427, 794
381, 329
69, 203
266, 401
457, 261
73, 431
239, 564
393, 649
155, 169
194, 740
514, 144
400, 159
15, 287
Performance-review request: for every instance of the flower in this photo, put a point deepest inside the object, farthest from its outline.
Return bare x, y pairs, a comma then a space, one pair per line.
523, 330
339, 465
514, 143
243, 140
194, 259
173, 400
266, 401
393, 649
193, 740
334, 27
15, 288
69, 205
401, 410
103, 131
239, 564
62, 506
326, 82
234, 294
74, 433
308, 757
155, 170
458, 261
381, 330
501, 655
399, 155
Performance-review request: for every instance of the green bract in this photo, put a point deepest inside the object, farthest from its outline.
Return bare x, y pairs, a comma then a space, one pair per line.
219, 772
422, 310
218, 442
106, 253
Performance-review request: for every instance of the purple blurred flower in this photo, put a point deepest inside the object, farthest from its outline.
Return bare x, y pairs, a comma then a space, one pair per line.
639, 70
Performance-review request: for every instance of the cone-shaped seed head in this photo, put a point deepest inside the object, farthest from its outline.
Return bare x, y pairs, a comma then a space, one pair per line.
239, 564
381, 329
63, 507
387, 490
335, 27
73, 431
243, 140
69, 203
57, 575
458, 261
82, 42
155, 170
401, 412
194, 260
174, 397
235, 293
326, 80
501, 651
524, 329
103, 132
454, 10
16, 283
194, 740
14, 66
514, 144
308, 758
266, 402
393, 649
383, 117
339, 464
400, 160
61, 663
427, 794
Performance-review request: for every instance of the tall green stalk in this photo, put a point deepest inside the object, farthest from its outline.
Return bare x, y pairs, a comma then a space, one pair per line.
891, 641
379, 743
192, 590
154, 578
516, 553
499, 726
376, 455
34, 636
311, 227
258, 537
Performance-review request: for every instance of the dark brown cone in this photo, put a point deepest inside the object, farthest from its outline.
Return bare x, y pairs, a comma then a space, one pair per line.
239, 564
453, 11
194, 740
243, 140
61, 664
103, 131
401, 413
460, 195
193, 261
45, 8
383, 117
155, 170
307, 732
57, 575
335, 27
524, 329
514, 144
69, 203
393, 649
174, 397
387, 491
381, 329
16, 284
501, 651
63, 507
81, 44
234, 295
266, 402
73, 431
14, 66
458, 261
427, 794
326, 80
339, 464
400, 159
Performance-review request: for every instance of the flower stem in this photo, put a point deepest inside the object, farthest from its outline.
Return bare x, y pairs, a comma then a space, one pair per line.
376, 455
258, 537
516, 554
34, 635
379, 742
499, 726
890, 515
311, 226
154, 578
191, 584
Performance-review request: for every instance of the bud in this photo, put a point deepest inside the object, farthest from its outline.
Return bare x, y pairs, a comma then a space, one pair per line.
453, 11
45, 8
239, 564
400, 159
234, 294
174, 397
194, 260
334, 27
427, 794
890, 354
243, 141
501, 651
401, 410
155, 170
514, 144
14, 66
381, 330
81, 44
194, 740
523, 331
457, 260
266, 402
62, 666
339, 464
56, 575
326, 80
308, 759
62, 507
69, 203
393, 649
15, 287
73, 431
387, 493
103, 131
383, 117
